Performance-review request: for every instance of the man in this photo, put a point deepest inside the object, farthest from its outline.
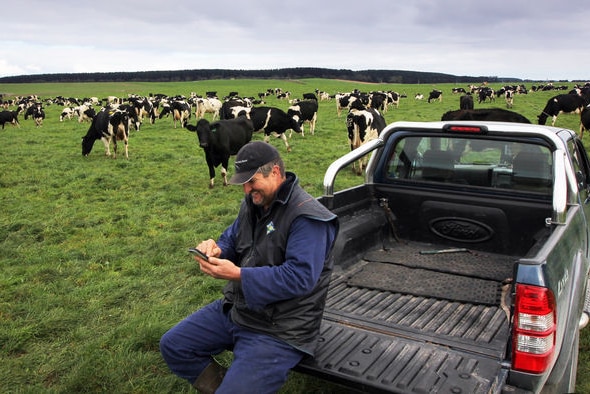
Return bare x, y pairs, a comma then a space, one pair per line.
276, 258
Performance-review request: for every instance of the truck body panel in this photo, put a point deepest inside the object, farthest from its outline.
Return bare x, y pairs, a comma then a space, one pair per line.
433, 248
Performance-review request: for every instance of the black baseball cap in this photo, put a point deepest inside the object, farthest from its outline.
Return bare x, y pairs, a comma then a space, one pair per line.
250, 158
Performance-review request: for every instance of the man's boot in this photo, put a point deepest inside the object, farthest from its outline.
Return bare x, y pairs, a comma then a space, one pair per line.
210, 379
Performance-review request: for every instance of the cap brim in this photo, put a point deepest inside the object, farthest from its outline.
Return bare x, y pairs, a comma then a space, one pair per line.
240, 178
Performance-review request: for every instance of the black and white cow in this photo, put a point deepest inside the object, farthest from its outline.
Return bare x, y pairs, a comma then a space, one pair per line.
509, 98
181, 112
466, 101
304, 111
36, 112
485, 114
220, 140
9, 117
272, 121
344, 101
562, 103
66, 113
108, 125
85, 113
363, 124
435, 95
144, 107
486, 93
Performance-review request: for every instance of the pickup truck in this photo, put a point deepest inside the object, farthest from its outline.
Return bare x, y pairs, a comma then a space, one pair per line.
462, 261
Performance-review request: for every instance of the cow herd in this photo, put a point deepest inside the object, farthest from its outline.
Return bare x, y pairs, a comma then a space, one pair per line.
225, 124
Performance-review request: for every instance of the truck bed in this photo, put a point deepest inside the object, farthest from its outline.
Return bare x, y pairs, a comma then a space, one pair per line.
416, 317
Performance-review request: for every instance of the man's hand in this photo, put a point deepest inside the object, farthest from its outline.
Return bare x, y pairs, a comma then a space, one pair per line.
216, 267
220, 268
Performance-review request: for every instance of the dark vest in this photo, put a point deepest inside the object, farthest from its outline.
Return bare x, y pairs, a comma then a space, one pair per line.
263, 241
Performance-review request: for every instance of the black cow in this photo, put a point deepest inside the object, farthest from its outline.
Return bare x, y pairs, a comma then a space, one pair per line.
304, 111
108, 125
562, 103
485, 114
9, 117
220, 140
584, 120
273, 121
363, 124
466, 102
435, 95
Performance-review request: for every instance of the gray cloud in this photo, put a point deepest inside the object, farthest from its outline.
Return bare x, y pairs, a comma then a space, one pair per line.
512, 38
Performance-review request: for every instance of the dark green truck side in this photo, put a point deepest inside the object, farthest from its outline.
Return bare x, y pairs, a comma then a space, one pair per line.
462, 261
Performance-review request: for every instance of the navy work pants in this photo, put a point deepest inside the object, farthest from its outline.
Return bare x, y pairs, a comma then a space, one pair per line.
261, 363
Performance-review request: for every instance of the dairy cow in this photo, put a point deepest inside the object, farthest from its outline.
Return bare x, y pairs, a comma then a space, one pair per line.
108, 125
304, 111
220, 140
9, 117
466, 101
491, 114
562, 103
435, 95
363, 124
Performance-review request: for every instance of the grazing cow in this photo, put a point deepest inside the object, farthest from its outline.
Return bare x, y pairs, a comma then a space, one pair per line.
419, 96
9, 117
220, 140
584, 120
562, 103
66, 113
108, 125
458, 90
466, 101
181, 112
363, 124
435, 95
304, 111
485, 114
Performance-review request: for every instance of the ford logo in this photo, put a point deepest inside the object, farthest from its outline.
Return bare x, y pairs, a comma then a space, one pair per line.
460, 229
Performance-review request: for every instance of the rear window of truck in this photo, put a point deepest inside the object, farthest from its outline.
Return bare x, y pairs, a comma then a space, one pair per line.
511, 165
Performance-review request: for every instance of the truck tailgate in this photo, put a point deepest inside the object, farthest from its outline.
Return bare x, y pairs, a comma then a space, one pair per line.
381, 340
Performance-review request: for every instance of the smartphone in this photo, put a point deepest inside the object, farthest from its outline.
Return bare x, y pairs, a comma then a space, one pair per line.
199, 253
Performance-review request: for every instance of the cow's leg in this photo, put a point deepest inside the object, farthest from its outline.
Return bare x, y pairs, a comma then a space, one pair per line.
284, 138
553, 120
107, 145
211, 175
224, 174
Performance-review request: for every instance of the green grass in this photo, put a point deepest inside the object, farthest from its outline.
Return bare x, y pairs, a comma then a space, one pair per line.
93, 250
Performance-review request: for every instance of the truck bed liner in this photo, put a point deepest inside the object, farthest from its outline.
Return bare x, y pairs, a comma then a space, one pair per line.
384, 340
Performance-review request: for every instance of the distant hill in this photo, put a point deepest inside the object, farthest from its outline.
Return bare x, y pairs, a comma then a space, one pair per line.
375, 76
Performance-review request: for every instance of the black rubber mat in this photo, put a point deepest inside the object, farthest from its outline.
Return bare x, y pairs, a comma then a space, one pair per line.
427, 283
468, 263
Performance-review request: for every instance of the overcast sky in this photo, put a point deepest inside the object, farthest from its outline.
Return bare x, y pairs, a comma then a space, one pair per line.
528, 39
